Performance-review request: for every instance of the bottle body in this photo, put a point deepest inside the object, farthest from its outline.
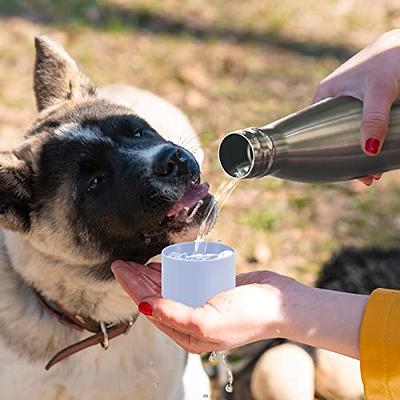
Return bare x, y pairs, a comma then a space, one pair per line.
318, 144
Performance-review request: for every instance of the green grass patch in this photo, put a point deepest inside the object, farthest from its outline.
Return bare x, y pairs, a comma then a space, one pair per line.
263, 219
301, 202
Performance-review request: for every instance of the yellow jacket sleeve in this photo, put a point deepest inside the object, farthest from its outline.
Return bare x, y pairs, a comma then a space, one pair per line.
380, 346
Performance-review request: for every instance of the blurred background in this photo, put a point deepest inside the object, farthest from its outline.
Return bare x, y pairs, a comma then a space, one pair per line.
228, 65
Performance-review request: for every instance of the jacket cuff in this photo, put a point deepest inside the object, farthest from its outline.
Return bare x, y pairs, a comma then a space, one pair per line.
380, 345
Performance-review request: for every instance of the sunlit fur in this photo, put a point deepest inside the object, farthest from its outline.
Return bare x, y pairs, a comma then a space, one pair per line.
52, 241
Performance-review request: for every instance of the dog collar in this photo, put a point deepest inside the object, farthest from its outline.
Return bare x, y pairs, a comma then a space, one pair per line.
103, 332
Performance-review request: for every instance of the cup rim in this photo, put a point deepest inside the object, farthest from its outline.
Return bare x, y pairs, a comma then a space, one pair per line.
227, 247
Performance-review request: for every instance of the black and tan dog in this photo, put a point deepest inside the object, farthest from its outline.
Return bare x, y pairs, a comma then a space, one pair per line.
92, 182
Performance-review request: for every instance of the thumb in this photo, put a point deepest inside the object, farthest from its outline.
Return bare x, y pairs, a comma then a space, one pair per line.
247, 278
375, 121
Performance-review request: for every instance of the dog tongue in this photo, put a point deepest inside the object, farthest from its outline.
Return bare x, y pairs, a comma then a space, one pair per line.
193, 194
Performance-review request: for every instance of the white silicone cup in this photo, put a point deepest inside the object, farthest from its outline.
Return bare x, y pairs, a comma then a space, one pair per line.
194, 282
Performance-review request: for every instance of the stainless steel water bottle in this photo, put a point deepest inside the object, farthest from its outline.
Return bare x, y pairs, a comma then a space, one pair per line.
318, 144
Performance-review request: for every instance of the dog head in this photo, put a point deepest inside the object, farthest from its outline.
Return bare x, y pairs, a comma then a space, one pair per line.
94, 182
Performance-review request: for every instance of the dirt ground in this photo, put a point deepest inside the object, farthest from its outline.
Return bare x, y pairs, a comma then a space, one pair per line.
228, 65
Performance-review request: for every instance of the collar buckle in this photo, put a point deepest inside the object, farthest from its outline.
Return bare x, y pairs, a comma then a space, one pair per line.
131, 321
105, 342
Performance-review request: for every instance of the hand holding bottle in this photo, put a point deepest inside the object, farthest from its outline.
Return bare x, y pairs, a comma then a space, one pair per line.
372, 76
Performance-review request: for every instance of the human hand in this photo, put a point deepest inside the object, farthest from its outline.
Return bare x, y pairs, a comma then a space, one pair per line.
372, 76
251, 311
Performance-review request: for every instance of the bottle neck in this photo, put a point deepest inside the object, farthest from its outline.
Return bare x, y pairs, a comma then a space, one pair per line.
247, 153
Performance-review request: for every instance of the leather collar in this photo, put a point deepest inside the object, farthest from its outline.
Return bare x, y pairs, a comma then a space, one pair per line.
102, 332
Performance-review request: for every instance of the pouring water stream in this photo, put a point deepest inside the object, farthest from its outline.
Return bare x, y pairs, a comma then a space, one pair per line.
211, 215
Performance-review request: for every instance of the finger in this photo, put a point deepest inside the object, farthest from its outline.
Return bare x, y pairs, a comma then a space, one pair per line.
319, 95
177, 315
134, 283
367, 180
154, 265
375, 119
153, 270
150, 271
153, 275
200, 322
188, 342
248, 278
323, 91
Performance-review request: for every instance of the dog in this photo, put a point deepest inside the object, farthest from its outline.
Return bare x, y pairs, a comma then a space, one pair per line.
98, 177
288, 370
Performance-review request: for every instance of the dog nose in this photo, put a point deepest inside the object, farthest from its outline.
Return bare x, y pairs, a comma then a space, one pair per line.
171, 162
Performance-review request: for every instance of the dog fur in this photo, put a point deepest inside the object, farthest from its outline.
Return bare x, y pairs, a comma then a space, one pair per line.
44, 243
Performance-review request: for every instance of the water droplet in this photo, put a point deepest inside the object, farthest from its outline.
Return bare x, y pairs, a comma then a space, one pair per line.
228, 388
212, 356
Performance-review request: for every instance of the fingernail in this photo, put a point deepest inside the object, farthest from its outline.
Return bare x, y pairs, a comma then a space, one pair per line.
146, 308
372, 145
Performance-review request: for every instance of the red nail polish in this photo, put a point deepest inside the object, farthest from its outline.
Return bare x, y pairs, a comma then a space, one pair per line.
372, 145
146, 308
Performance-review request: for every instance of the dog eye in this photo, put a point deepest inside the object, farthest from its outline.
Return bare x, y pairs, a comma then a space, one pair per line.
137, 133
95, 182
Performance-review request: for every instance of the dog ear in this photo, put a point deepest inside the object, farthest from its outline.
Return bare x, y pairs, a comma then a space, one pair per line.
15, 192
56, 75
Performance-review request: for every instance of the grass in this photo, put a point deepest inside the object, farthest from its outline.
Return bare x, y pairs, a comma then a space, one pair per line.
264, 219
